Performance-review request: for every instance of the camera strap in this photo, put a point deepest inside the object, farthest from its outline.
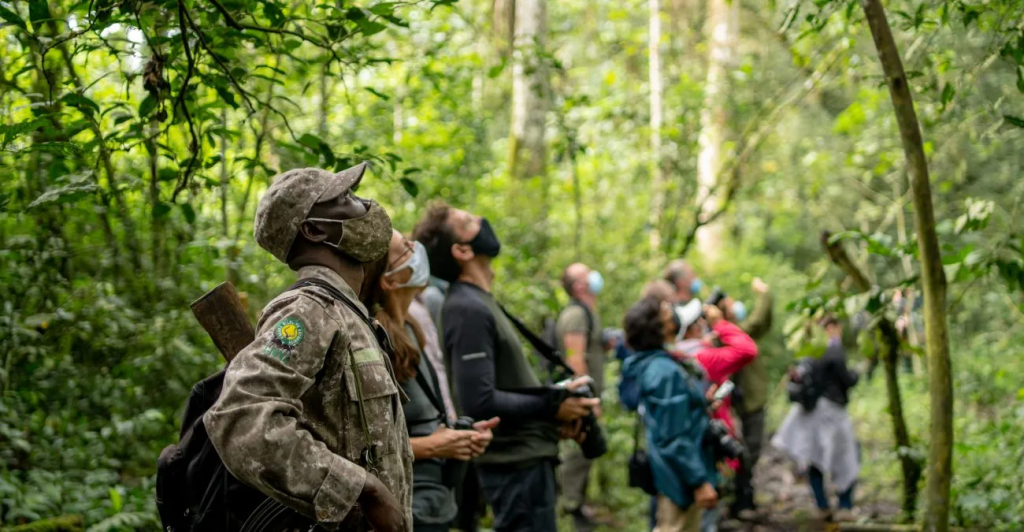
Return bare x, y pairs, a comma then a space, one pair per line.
431, 391
552, 355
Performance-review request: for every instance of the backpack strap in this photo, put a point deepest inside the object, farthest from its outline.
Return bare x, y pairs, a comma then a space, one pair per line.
590, 320
637, 431
383, 340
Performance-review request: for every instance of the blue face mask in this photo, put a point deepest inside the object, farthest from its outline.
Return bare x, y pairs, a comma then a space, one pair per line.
739, 311
595, 282
695, 286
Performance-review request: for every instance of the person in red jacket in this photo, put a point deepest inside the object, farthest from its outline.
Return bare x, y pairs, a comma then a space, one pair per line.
722, 352
722, 349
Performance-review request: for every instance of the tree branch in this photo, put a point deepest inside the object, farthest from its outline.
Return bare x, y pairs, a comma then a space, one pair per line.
230, 20
194, 146
246, 96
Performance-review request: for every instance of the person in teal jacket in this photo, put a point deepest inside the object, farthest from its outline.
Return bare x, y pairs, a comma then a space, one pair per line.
675, 415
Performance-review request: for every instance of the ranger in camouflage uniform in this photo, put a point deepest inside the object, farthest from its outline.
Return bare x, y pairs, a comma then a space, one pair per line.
298, 403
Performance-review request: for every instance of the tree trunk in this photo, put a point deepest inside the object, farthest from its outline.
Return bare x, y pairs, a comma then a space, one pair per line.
657, 174
530, 94
940, 382
503, 14
723, 24
156, 216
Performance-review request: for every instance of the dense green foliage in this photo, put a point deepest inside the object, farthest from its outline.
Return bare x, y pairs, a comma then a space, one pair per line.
137, 136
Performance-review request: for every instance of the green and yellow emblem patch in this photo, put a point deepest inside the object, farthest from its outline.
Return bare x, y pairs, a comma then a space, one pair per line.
289, 332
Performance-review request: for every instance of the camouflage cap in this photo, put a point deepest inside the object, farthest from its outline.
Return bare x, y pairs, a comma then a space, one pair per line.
290, 198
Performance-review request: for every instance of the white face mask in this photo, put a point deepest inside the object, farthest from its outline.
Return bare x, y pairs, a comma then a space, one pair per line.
420, 266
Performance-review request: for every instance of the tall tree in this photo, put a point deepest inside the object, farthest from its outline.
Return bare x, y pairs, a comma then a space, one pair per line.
657, 174
530, 91
723, 27
940, 382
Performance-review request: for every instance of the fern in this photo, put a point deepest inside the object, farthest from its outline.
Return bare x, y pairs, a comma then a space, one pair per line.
124, 521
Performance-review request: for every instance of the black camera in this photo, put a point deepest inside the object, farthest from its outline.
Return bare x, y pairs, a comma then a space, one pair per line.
724, 445
716, 297
463, 423
593, 445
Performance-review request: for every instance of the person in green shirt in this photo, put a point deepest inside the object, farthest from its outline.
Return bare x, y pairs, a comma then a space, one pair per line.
579, 335
752, 393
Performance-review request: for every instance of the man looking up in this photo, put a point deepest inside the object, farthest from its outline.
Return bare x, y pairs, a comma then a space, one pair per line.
310, 413
492, 377
579, 337
682, 277
751, 395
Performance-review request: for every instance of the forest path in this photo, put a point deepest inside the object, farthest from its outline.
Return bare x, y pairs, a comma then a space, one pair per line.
788, 504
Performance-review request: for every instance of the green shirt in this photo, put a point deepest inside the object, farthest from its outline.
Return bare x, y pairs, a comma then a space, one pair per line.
753, 379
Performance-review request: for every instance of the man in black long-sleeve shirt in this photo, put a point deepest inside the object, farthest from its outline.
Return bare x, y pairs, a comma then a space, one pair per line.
491, 376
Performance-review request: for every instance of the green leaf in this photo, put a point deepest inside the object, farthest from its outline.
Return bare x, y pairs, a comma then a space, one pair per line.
12, 17
368, 27
59, 148
274, 14
948, 92
65, 194
410, 186
147, 106
161, 210
115, 500
377, 93
1015, 121
16, 130
166, 174
38, 12
212, 161
496, 70
226, 95
83, 104
310, 141
844, 235
383, 8
188, 212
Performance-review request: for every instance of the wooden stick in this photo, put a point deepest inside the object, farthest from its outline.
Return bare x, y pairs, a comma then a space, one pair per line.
223, 317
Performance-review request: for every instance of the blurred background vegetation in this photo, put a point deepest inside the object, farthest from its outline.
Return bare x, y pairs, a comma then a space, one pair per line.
136, 138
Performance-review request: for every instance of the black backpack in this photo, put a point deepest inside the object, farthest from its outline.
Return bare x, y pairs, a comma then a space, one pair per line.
194, 490
804, 386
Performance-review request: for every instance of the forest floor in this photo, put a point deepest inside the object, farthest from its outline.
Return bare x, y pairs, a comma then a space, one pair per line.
787, 504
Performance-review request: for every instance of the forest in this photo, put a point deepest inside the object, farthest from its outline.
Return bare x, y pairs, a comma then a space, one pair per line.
852, 153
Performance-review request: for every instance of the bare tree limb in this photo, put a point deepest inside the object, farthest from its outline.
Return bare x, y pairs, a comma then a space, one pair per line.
194, 146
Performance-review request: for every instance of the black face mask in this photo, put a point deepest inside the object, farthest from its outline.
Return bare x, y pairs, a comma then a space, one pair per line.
486, 242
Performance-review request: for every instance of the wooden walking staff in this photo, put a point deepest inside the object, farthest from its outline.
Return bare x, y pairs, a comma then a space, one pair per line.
221, 314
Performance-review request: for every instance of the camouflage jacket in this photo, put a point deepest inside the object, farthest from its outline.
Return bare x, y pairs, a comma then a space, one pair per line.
288, 419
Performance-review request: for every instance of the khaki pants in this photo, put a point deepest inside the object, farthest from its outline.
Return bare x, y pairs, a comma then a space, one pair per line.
672, 518
573, 476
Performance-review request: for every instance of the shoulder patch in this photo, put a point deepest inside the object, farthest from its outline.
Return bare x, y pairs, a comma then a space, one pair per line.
290, 331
